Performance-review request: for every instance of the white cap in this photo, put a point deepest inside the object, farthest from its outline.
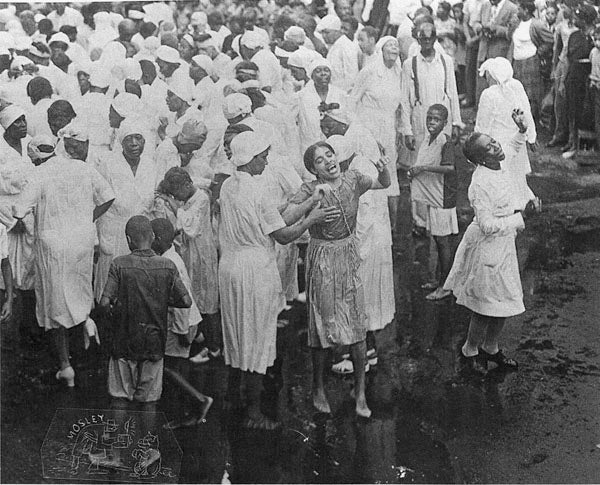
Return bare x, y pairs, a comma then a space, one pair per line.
295, 33
236, 104
303, 58
329, 22
39, 16
100, 76
199, 18
136, 15
59, 37
182, 87
251, 39
246, 145
19, 61
168, 54
319, 62
205, 62
126, 105
279, 52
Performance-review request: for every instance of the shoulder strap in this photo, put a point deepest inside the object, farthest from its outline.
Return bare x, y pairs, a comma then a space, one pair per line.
416, 80
445, 74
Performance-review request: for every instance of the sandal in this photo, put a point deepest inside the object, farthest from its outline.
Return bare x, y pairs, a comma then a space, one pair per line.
201, 357
343, 367
500, 360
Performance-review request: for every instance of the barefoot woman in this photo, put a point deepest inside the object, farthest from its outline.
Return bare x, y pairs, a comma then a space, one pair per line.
334, 289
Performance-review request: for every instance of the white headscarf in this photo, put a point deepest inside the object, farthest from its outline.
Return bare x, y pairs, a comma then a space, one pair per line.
10, 114
245, 146
322, 62
379, 52
499, 68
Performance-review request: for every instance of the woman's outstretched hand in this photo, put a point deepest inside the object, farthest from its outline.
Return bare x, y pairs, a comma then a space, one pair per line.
519, 118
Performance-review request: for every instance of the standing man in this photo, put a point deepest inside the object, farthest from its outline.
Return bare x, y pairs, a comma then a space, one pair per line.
498, 21
67, 196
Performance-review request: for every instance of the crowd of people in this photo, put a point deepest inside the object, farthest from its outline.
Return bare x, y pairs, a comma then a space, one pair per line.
166, 166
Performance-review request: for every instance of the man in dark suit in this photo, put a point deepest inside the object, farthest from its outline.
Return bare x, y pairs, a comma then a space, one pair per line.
498, 21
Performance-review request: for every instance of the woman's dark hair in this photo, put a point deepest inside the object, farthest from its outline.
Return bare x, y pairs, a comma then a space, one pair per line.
256, 96
61, 108
472, 151
39, 88
230, 133
174, 178
133, 87
446, 6
528, 6
309, 154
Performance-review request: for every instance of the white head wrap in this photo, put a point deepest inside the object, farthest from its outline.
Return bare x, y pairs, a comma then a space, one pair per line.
10, 114
76, 129
383, 41
322, 62
59, 37
192, 131
342, 146
236, 104
245, 146
130, 126
38, 17
132, 69
231, 86
22, 42
303, 58
199, 18
19, 61
135, 15
182, 87
235, 44
205, 62
34, 51
251, 39
127, 105
100, 76
189, 39
329, 22
33, 147
113, 53
499, 68
295, 34
279, 52
168, 54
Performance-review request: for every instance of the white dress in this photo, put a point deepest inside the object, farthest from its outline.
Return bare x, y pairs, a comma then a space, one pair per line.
63, 194
377, 95
374, 237
494, 118
251, 294
15, 171
134, 196
485, 274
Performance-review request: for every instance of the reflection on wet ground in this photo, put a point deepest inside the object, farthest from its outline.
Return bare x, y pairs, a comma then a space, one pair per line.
418, 402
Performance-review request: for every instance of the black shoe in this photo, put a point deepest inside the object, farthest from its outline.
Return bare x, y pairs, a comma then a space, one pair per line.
475, 365
500, 360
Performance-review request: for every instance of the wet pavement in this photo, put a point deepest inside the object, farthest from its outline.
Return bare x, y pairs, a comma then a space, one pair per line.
428, 425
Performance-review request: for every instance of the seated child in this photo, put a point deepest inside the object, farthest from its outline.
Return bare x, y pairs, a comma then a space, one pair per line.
182, 328
141, 287
433, 183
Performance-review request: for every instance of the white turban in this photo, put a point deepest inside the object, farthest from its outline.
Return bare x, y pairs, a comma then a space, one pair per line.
236, 104
205, 62
303, 58
135, 15
245, 146
322, 62
127, 105
100, 77
132, 69
182, 87
77, 130
499, 68
251, 39
199, 18
329, 22
279, 52
19, 61
59, 37
10, 114
168, 54
295, 34
342, 146
33, 147
130, 126
192, 131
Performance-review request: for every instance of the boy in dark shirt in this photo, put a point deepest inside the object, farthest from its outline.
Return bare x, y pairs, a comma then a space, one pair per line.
140, 288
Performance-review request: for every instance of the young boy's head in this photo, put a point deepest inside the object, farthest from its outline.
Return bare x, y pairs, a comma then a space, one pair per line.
138, 231
437, 118
597, 37
164, 233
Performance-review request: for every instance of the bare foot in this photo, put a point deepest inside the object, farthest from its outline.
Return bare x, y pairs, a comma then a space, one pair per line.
438, 294
320, 402
362, 410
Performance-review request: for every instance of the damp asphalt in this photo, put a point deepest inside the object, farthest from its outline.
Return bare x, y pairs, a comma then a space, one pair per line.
429, 425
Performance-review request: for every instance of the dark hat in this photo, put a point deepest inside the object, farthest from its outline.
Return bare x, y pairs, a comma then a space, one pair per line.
587, 13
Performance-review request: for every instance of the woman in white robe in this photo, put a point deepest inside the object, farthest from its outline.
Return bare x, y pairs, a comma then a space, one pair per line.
494, 119
133, 184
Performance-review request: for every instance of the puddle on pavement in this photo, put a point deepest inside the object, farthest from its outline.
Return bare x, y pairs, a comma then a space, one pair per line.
417, 402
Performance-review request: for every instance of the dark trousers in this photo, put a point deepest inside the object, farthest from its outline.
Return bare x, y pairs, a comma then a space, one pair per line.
596, 99
471, 72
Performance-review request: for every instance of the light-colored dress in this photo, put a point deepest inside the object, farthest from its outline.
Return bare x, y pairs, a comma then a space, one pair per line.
374, 237
199, 250
134, 196
377, 95
63, 194
485, 274
15, 171
494, 118
334, 290
251, 293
